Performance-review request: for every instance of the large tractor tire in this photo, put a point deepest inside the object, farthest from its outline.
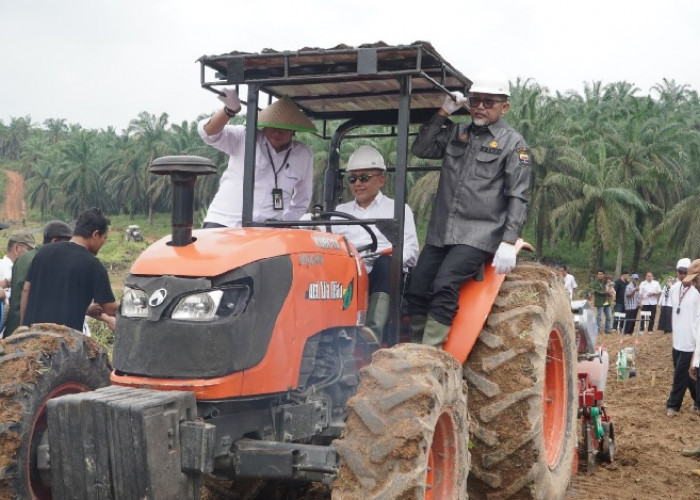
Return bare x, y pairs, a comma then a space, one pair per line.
522, 377
37, 364
407, 429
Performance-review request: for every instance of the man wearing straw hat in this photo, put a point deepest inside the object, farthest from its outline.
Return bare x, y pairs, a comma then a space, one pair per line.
283, 167
692, 279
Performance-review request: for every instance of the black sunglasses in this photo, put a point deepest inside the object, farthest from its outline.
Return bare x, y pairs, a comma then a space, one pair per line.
486, 101
363, 178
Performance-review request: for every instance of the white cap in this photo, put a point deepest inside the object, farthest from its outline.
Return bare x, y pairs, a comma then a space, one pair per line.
365, 157
683, 264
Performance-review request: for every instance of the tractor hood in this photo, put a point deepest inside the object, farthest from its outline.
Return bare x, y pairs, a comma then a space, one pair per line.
217, 251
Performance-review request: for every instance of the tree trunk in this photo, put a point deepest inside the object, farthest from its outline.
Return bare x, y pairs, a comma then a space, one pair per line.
541, 227
620, 251
637, 244
596, 259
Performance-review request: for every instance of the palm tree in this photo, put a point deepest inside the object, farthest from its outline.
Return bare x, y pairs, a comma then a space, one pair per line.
596, 201
149, 133
56, 128
671, 95
32, 151
82, 173
682, 223
123, 175
40, 187
13, 136
540, 119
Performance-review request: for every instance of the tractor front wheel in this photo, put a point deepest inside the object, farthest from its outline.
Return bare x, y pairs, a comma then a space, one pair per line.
407, 430
37, 364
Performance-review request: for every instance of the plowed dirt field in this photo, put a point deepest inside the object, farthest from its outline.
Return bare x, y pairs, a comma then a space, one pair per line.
648, 463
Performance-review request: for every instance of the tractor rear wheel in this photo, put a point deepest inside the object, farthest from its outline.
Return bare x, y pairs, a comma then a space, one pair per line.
37, 364
522, 390
407, 430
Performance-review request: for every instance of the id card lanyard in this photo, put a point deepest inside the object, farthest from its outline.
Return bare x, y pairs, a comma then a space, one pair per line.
681, 292
277, 199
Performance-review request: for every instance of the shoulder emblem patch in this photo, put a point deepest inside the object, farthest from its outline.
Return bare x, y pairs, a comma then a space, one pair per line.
524, 157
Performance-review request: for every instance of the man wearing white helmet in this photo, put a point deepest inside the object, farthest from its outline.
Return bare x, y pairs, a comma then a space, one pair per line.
685, 302
480, 206
283, 167
367, 175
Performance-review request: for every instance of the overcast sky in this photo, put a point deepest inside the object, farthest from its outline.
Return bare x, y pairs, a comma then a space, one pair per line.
100, 63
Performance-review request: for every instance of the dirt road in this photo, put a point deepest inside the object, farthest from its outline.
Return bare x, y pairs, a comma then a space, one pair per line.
648, 463
14, 207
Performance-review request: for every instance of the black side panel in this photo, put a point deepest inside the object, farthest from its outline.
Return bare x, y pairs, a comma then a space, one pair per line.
160, 347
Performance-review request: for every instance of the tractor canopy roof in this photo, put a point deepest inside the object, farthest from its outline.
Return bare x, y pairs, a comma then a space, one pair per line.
344, 82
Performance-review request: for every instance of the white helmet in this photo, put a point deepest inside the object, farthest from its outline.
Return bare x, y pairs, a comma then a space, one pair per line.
365, 157
491, 82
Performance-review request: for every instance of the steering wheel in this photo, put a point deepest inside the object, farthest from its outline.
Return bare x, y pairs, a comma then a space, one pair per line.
372, 247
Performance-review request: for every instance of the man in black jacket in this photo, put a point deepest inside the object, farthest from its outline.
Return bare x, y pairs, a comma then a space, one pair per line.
620, 286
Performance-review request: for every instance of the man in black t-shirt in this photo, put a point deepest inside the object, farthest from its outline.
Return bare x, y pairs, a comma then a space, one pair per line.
620, 286
65, 278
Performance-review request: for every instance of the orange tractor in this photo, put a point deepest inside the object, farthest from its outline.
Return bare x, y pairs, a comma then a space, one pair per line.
238, 368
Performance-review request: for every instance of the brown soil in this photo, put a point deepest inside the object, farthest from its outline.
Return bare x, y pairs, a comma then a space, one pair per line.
14, 208
648, 461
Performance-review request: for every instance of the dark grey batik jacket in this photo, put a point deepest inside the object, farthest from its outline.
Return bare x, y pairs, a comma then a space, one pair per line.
484, 180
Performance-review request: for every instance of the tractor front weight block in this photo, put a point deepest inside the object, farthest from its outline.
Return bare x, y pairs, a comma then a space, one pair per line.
123, 443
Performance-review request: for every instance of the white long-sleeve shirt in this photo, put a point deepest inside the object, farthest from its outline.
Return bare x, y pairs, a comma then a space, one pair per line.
382, 207
294, 176
649, 292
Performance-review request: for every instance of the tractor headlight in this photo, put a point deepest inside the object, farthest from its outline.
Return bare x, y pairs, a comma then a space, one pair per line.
198, 306
213, 304
134, 303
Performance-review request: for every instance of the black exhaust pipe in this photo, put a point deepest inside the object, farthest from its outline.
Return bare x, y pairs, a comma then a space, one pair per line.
183, 171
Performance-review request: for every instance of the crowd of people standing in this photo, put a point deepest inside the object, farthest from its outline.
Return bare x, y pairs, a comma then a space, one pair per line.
628, 302
649, 306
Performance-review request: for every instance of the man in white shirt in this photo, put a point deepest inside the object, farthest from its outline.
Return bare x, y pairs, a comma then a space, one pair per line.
367, 175
569, 282
692, 279
649, 293
685, 302
283, 167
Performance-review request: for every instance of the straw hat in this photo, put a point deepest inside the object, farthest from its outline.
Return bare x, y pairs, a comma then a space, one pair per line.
284, 114
693, 271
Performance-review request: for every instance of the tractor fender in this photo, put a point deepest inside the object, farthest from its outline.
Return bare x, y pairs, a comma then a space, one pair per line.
475, 301
597, 370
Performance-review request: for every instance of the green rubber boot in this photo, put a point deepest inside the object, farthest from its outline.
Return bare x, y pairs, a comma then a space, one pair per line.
378, 314
435, 333
416, 326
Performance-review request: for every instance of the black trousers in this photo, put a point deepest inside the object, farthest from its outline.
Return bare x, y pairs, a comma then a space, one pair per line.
380, 276
630, 316
651, 309
681, 380
665, 316
619, 308
437, 278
